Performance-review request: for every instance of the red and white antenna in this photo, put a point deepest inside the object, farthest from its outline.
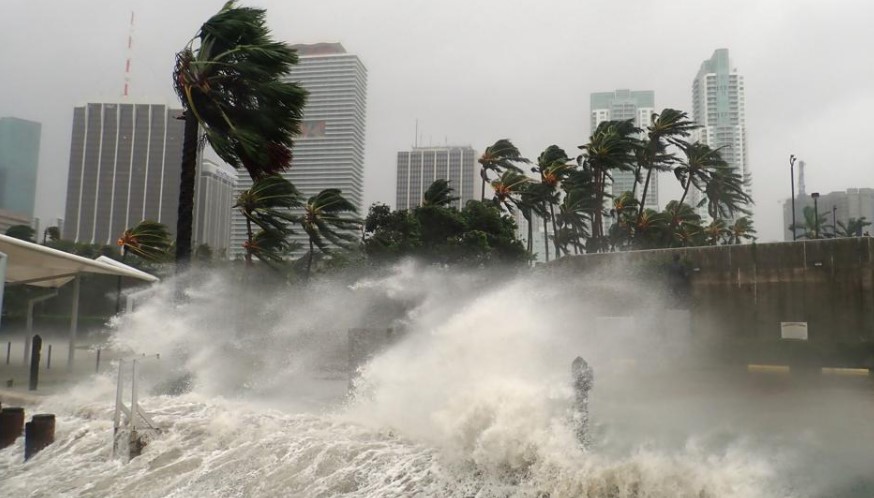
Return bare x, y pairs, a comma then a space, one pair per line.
130, 45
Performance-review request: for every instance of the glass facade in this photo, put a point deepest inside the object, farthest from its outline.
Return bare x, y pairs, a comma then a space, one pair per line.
19, 160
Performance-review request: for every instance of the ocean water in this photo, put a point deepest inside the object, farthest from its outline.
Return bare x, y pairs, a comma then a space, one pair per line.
473, 400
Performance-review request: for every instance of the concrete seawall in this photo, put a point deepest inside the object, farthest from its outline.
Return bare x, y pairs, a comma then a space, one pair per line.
739, 295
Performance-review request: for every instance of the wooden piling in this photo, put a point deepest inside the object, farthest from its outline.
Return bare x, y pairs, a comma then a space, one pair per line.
38, 433
49, 358
35, 352
11, 425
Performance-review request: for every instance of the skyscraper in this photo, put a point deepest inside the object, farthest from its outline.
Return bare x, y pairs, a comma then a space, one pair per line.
213, 201
19, 159
718, 106
622, 105
124, 168
418, 168
329, 153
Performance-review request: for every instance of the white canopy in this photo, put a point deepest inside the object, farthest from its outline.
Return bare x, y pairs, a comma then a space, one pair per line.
42, 266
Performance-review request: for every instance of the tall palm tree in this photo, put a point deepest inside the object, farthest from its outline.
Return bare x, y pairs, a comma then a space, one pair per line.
267, 205
439, 194
553, 164
326, 221
698, 166
668, 127
149, 240
611, 147
500, 156
724, 193
624, 213
230, 79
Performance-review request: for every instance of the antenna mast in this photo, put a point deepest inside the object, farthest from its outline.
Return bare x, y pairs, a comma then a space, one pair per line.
130, 44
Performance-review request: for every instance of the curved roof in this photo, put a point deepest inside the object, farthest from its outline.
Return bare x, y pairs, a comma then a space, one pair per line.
41, 266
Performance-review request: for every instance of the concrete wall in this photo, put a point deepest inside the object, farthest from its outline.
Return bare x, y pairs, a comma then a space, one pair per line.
738, 295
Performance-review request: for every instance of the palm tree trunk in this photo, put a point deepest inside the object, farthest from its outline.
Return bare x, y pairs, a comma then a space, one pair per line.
530, 232
643, 195
310, 260
545, 237
185, 213
482, 175
250, 238
554, 231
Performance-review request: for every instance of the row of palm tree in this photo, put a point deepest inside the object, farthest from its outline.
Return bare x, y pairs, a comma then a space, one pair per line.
572, 197
816, 226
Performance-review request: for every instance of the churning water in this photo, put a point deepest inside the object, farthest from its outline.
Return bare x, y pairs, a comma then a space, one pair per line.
474, 399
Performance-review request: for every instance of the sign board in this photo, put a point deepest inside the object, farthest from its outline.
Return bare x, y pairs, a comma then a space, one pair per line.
793, 330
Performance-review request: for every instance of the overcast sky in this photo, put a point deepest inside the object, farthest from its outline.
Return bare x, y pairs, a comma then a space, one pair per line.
475, 71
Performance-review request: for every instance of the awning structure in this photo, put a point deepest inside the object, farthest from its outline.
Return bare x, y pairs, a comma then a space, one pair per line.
42, 266
27, 263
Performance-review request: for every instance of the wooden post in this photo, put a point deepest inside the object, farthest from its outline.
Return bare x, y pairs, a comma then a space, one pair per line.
74, 323
49, 358
38, 433
11, 425
35, 352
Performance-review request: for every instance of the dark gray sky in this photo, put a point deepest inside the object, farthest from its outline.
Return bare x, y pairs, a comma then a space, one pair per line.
473, 72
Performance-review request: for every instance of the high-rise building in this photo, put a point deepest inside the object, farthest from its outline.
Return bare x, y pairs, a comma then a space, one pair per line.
622, 105
19, 159
329, 153
418, 168
718, 106
834, 207
124, 168
213, 201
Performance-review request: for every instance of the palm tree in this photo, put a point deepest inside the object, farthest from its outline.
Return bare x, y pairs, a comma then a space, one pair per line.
149, 240
685, 224
853, 228
508, 187
812, 225
724, 193
230, 79
500, 156
669, 127
698, 167
624, 213
325, 222
553, 165
611, 147
439, 194
741, 229
267, 205
716, 231
572, 220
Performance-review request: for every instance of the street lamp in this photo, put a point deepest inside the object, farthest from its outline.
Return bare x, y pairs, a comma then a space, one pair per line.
815, 196
792, 181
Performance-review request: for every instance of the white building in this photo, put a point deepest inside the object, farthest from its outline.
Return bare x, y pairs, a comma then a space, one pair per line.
622, 105
419, 168
213, 201
718, 106
329, 152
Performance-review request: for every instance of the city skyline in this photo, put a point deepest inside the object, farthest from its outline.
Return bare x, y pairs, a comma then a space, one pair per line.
471, 106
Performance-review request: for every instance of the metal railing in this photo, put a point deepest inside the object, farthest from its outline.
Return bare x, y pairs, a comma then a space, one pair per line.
136, 418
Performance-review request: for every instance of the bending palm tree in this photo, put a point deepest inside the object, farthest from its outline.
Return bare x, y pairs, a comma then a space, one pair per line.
741, 229
697, 169
669, 127
439, 194
553, 165
267, 205
725, 194
853, 228
230, 81
812, 225
149, 240
325, 221
500, 156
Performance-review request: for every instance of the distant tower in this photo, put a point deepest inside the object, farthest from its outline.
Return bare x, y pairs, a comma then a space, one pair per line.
19, 160
418, 168
801, 192
718, 105
124, 168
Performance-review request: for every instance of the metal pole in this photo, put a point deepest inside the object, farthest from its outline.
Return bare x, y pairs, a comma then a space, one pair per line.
49, 359
815, 196
792, 180
97, 366
133, 397
74, 324
116, 418
8, 351
834, 221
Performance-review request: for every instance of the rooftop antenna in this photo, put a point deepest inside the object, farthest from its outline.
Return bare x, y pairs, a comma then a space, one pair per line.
801, 178
130, 44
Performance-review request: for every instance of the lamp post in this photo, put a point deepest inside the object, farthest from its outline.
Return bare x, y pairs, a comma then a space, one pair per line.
834, 221
815, 196
792, 181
